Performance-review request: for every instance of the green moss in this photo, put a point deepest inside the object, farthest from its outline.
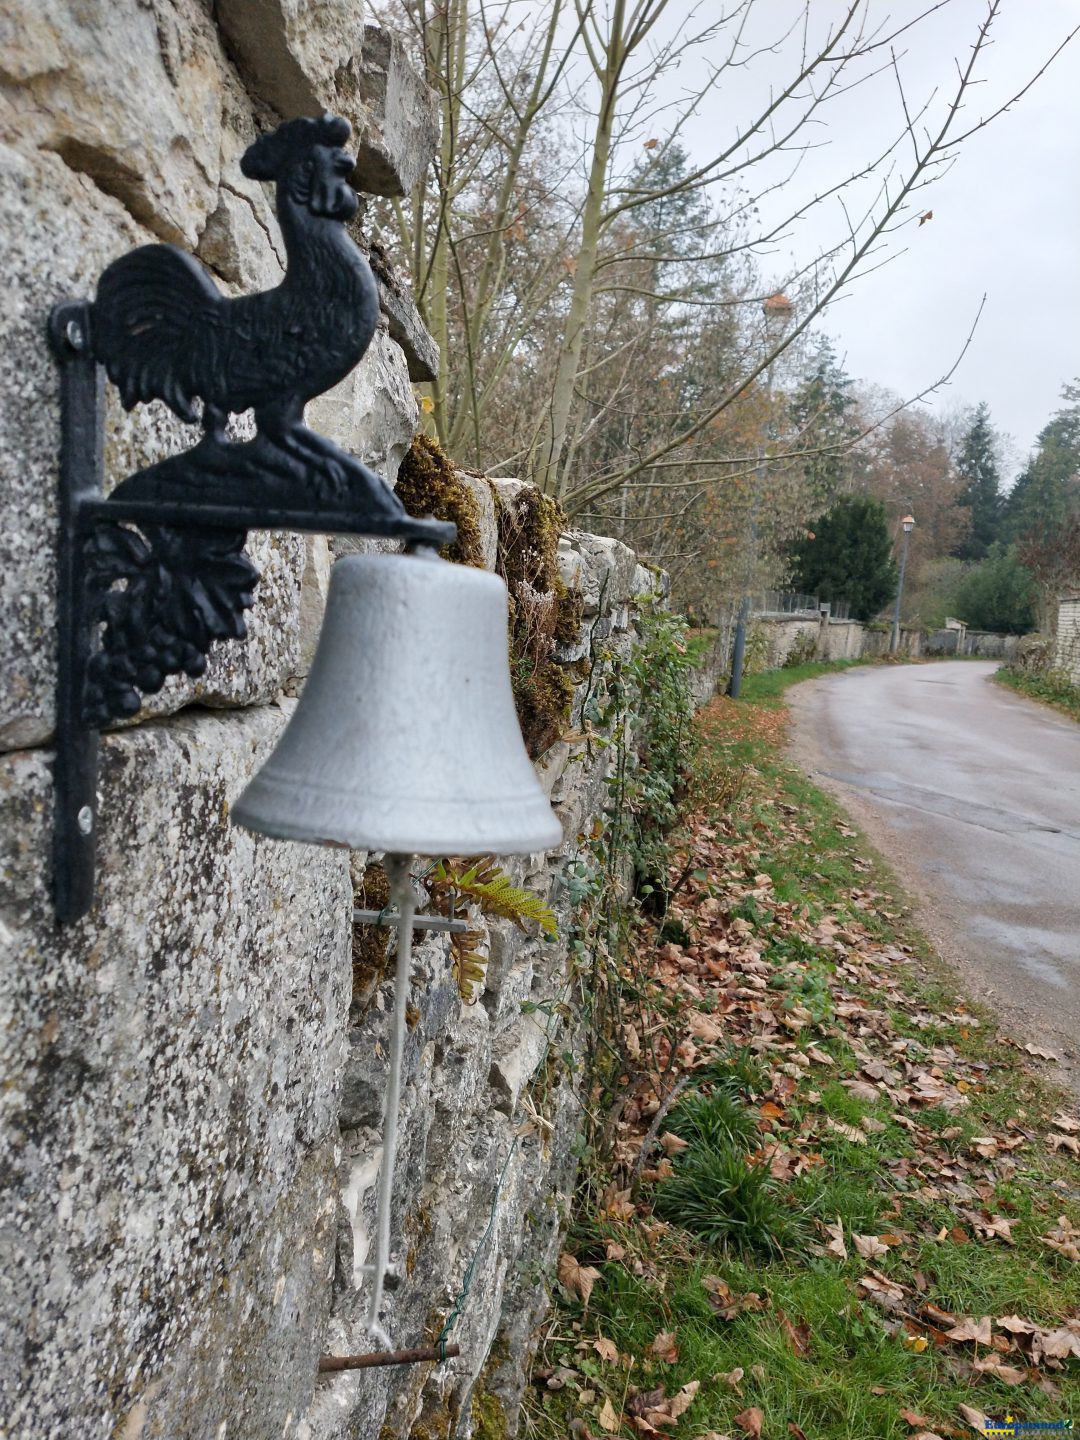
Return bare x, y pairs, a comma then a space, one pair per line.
489, 1417
428, 484
544, 615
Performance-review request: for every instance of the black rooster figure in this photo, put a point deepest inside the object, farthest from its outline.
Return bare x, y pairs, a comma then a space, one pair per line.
163, 331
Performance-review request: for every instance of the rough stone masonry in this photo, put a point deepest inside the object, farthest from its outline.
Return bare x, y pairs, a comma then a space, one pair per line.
190, 1107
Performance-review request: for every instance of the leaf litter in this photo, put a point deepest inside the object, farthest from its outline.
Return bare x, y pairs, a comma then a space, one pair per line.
814, 996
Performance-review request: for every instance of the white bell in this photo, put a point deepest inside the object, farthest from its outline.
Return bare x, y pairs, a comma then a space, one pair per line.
405, 738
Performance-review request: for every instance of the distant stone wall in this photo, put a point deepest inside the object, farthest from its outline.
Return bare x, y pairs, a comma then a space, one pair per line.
193, 1074
1067, 639
786, 640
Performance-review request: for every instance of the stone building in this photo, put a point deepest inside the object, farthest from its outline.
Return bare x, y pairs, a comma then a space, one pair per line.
192, 1074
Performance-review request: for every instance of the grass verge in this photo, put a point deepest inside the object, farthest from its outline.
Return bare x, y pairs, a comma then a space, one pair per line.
1052, 688
840, 1204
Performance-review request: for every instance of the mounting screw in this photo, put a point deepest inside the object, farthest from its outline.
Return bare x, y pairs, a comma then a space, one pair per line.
75, 337
85, 820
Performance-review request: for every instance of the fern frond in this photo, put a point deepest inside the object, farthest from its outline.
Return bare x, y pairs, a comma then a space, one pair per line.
492, 890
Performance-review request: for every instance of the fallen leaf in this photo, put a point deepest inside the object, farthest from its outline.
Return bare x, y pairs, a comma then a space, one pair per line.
847, 1131
732, 1378
1065, 1142
578, 1279
915, 1421
1040, 1053
609, 1421
606, 1349
664, 1347
975, 1418
836, 1246
673, 1143
1067, 1123
798, 1336
916, 1344
796, 1430
684, 1398
750, 1421
968, 1329
870, 1247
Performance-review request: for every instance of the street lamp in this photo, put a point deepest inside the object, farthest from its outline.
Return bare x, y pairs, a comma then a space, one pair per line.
907, 524
778, 311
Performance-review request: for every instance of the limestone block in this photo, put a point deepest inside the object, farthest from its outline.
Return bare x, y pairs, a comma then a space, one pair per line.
291, 50
169, 1111
60, 234
488, 519
127, 93
606, 573
373, 411
395, 116
406, 327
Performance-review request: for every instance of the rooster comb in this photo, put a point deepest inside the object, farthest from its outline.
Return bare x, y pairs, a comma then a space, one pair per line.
272, 154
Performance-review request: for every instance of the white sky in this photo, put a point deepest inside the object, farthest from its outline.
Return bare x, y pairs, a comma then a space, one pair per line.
1006, 217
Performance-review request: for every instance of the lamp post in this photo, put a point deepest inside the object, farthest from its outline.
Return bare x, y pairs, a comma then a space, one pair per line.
907, 524
777, 310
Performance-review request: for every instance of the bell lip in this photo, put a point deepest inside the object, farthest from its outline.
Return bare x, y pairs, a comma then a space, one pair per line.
544, 836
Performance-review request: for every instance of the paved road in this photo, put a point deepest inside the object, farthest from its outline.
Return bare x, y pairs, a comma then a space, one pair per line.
973, 794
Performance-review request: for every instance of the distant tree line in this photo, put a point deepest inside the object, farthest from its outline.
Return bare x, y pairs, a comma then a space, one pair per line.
995, 558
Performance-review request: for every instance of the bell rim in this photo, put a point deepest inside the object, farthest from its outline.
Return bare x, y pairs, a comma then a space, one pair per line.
546, 835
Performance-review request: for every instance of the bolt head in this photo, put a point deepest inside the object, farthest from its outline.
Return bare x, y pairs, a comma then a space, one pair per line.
73, 331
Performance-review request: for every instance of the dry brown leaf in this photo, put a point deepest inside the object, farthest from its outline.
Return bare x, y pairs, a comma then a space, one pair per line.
968, 1329
847, 1131
682, 1399
750, 1421
870, 1247
796, 1431
578, 1279
798, 1336
836, 1246
609, 1421
1040, 1053
664, 1347
1016, 1326
915, 1421
1065, 1122
1058, 1344
732, 1378
673, 1144
606, 1349
1064, 1142
975, 1418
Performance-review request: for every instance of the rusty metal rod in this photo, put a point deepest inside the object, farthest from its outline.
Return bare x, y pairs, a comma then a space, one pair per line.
388, 1357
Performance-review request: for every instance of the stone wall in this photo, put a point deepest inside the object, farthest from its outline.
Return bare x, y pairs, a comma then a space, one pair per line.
787, 640
189, 1122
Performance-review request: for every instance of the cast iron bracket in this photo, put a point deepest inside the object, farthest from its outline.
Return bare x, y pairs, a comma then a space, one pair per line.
152, 576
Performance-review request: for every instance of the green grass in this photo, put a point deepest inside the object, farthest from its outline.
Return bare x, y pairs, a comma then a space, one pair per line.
1053, 689
843, 1376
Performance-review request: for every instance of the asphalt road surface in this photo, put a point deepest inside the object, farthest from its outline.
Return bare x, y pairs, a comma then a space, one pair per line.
972, 794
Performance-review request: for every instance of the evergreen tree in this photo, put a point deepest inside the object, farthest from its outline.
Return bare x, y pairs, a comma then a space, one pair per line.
1048, 491
850, 556
997, 594
977, 467
821, 408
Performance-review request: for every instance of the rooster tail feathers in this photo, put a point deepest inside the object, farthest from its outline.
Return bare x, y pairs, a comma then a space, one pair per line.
152, 327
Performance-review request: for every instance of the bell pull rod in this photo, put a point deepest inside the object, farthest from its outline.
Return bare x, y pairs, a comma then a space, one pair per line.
388, 1357
401, 894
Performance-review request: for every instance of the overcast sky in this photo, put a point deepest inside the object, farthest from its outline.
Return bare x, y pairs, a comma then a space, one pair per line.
1006, 216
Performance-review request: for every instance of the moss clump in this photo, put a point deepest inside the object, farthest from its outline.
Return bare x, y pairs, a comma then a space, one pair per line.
370, 942
428, 484
489, 1417
544, 615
